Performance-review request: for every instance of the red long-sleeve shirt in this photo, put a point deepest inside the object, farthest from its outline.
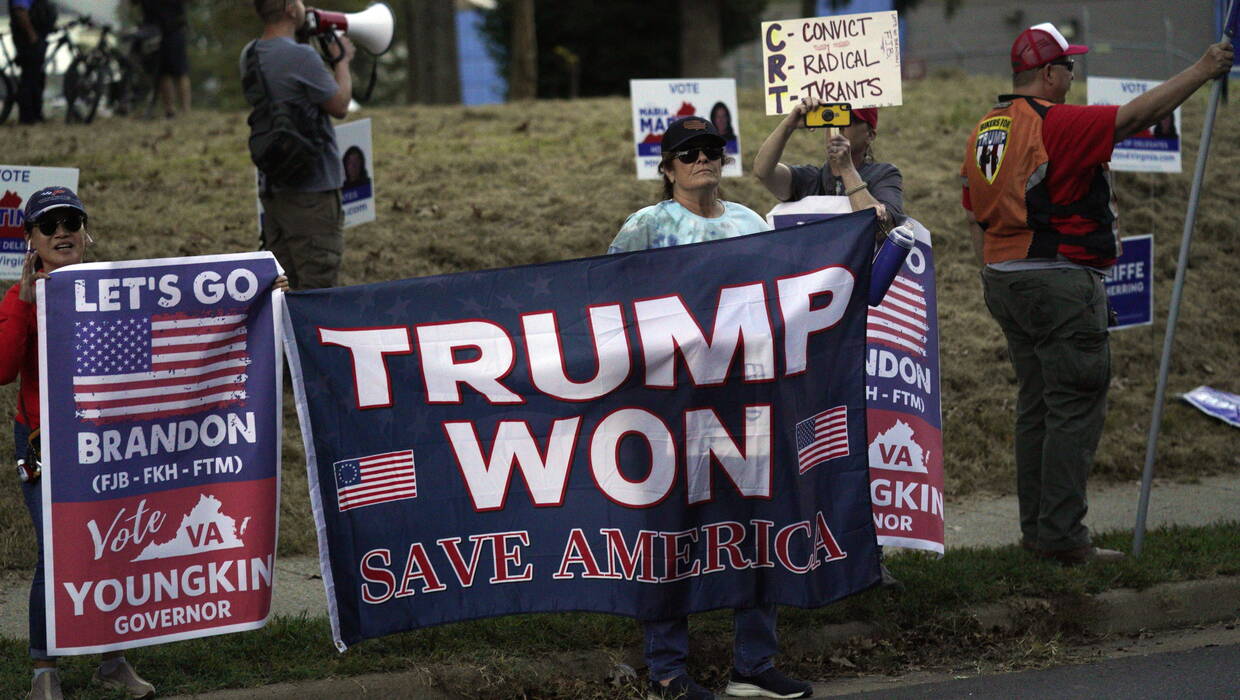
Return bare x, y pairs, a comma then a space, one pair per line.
19, 353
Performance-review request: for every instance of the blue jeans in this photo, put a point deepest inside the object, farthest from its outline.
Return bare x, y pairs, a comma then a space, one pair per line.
33, 495
754, 643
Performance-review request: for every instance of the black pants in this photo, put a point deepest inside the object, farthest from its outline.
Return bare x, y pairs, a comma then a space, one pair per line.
30, 87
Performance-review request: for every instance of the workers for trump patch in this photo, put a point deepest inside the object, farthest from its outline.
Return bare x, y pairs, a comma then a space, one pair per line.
992, 138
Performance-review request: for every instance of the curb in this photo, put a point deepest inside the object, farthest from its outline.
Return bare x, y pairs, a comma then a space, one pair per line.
1117, 612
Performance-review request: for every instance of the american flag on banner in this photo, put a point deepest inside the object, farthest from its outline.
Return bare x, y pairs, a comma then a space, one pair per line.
900, 321
366, 481
822, 437
143, 368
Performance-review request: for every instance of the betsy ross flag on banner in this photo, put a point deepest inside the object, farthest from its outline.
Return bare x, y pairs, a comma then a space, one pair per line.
900, 321
822, 437
141, 368
367, 481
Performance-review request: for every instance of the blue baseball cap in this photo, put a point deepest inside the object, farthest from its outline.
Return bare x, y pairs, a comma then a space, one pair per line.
49, 198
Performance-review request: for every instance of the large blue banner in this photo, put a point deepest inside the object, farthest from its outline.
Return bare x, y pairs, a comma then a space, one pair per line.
160, 447
647, 434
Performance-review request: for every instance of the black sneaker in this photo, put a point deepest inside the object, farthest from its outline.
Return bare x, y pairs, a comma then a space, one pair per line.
681, 687
768, 684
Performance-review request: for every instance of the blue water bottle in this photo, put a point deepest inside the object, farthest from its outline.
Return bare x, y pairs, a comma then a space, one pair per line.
889, 260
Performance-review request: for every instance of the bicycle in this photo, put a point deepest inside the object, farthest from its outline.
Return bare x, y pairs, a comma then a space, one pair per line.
93, 74
106, 76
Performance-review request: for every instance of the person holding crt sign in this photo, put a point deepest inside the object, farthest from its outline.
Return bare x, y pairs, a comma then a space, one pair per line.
850, 171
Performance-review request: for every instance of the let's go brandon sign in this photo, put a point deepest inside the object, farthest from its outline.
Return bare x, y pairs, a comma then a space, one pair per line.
647, 434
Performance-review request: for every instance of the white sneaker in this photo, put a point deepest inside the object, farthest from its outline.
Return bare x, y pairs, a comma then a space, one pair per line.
123, 677
46, 686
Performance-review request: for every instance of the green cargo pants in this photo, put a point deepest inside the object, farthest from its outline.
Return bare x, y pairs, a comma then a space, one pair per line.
305, 231
1055, 322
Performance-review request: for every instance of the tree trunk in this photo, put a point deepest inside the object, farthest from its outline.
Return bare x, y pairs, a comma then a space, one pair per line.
431, 33
701, 38
523, 82
405, 20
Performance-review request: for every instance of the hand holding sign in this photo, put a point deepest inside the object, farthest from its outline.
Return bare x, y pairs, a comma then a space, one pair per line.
848, 58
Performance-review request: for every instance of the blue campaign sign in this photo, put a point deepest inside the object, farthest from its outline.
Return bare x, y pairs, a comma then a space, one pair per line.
647, 434
1130, 283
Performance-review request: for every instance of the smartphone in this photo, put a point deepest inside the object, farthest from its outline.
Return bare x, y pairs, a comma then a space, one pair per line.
837, 114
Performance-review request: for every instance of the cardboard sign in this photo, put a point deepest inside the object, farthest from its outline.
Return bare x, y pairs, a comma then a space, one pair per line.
846, 58
1130, 283
657, 103
17, 183
357, 194
161, 449
1154, 150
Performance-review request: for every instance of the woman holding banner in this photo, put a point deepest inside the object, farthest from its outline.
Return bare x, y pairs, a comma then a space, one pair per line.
55, 237
692, 212
850, 171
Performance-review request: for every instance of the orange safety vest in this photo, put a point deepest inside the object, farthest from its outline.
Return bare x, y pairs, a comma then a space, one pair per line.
1005, 169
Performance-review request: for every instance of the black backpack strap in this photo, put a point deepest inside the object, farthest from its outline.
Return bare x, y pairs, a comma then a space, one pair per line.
254, 83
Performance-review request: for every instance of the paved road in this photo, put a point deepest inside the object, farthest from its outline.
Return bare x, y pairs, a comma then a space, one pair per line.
1208, 669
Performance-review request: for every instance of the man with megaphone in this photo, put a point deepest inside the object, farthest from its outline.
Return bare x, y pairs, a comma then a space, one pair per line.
293, 143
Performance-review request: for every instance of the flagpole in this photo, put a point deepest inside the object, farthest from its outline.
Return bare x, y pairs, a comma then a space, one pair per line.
1186, 238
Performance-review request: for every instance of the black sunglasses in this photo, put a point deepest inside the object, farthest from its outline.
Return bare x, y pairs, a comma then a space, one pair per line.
691, 155
1065, 62
48, 224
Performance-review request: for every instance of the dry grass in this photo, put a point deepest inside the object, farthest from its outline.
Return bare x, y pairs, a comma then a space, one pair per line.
464, 188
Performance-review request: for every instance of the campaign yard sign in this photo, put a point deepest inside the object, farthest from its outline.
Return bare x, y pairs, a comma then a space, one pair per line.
357, 156
807, 209
647, 434
17, 183
846, 58
1222, 405
1130, 283
903, 406
357, 195
657, 103
1152, 150
161, 449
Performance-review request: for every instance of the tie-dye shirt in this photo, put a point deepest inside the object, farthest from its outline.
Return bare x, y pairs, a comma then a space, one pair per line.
668, 223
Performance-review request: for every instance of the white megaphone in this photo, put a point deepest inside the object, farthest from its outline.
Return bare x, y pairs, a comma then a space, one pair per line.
371, 28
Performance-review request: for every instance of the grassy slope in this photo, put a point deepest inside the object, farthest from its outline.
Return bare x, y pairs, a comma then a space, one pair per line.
464, 188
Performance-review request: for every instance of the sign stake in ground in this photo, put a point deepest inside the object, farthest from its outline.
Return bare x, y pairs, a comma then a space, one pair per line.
1190, 220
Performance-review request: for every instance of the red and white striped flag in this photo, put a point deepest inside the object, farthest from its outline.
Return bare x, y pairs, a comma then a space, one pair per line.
143, 368
900, 321
822, 437
366, 481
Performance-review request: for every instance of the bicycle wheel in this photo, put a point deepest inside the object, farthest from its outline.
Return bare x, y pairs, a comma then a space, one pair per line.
86, 81
8, 96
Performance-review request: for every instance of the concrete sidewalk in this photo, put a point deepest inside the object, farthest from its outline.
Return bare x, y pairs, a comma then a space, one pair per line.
973, 522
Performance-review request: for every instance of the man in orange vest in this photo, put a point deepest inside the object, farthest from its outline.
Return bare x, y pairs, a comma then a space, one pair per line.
1038, 198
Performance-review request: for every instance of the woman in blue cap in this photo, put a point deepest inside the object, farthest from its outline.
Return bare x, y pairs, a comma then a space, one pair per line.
55, 237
